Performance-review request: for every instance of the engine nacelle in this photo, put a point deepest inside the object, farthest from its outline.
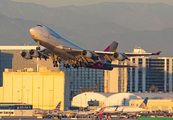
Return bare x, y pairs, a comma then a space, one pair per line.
34, 53
26, 55
119, 56
87, 53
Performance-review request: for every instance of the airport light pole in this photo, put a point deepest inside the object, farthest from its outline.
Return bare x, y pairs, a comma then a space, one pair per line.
27, 96
85, 100
81, 97
22, 93
49, 98
18, 95
38, 96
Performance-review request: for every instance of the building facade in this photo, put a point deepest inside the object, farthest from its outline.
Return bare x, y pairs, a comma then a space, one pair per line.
116, 80
151, 74
84, 78
43, 89
155, 71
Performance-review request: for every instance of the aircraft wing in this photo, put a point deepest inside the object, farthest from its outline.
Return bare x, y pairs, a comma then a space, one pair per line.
140, 54
45, 52
74, 52
102, 53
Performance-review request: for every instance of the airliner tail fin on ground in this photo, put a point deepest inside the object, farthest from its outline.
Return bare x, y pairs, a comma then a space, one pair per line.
144, 103
57, 107
112, 47
100, 112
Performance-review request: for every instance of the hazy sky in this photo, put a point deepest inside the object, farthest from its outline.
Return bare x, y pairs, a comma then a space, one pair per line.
58, 3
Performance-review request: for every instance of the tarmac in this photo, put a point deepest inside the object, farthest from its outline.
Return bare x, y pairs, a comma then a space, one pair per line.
34, 118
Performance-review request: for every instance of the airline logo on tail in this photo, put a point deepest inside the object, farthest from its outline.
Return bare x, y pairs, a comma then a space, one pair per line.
100, 112
144, 103
57, 107
112, 47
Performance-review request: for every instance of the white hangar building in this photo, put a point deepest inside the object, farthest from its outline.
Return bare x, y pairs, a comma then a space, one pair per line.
115, 99
107, 99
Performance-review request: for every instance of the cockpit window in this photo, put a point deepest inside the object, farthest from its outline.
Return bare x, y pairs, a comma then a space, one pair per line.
40, 25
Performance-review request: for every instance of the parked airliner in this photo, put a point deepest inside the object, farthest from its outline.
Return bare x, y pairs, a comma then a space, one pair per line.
92, 112
127, 110
56, 109
141, 107
60, 49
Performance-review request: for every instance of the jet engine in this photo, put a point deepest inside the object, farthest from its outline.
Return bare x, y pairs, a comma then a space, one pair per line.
119, 56
26, 55
87, 53
34, 53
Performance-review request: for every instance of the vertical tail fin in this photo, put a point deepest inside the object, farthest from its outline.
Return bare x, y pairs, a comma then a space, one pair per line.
112, 47
100, 112
57, 107
144, 103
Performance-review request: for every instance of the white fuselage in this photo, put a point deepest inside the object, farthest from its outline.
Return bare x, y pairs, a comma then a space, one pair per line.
46, 35
129, 109
52, 41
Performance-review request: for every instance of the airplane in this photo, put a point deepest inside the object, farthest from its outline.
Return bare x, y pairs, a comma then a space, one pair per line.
133, 110
56, 109
59, 49
92, 112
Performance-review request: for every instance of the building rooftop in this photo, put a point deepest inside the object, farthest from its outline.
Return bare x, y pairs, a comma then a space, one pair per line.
17, 47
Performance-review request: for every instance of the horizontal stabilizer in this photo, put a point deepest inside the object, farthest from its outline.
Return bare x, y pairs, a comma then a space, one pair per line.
115, 65
158, 53
140, 54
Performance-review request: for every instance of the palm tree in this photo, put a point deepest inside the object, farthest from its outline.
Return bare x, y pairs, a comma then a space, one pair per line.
72, 93
97, 86
92, 89
153, 89
77, 91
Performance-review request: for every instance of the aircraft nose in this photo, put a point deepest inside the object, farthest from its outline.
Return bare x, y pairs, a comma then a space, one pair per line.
32, 32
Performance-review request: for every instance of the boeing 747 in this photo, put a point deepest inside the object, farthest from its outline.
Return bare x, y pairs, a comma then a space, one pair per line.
60, 49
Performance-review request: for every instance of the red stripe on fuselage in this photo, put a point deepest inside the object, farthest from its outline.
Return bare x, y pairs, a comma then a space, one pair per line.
98, 64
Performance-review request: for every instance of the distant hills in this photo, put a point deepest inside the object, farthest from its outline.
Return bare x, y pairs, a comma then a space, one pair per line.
93, 26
